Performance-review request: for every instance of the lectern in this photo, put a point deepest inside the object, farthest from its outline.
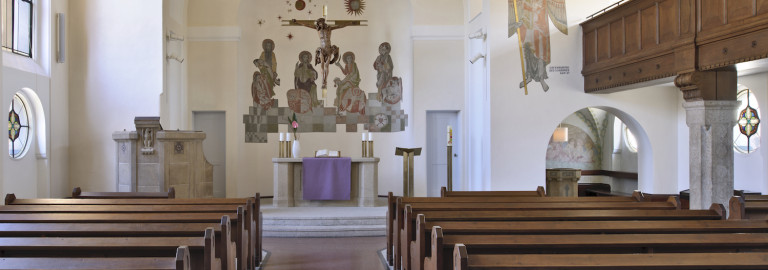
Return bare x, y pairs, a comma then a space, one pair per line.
408, 154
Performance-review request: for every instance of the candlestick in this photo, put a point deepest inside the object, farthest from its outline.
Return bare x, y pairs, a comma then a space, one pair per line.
280, 146
325, 11
450, 136
370, 144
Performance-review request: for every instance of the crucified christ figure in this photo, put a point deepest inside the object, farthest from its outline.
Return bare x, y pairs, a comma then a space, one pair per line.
327, 53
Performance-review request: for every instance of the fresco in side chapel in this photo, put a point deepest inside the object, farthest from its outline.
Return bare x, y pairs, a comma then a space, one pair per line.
580, 152
318, 109
529, 20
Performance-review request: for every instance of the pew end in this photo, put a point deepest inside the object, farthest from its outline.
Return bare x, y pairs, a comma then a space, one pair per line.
442, 192
171, 193
675, 201
737, 208
542, 192
9, 198
460, 257
720, 210
76, 192
638, 195
182, 258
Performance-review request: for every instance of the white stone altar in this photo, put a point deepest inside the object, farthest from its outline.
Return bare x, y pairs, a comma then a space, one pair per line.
288, 184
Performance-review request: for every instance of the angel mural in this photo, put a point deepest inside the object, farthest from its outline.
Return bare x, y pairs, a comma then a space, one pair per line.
528, 19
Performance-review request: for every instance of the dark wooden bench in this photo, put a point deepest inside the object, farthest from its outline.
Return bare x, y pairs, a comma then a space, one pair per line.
77, 193
179, 262
539, 192
441, 248
741, 209
253, 230
225, 245
395, 206
406, 236
242, 245
755, 260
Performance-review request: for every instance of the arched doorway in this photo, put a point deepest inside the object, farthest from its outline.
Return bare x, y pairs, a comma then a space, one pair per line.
608, 145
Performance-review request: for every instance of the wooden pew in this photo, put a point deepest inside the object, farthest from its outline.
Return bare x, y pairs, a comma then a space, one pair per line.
539, 192
179, 262
395, 206
442, 245
241, 244
741, 209
407, 237
755, 260
252, 212
77, 193
405, 223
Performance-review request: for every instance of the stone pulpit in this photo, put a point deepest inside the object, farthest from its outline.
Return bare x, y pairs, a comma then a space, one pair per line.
151, 159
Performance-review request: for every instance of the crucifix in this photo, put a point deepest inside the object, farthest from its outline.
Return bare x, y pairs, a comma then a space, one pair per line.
327, 53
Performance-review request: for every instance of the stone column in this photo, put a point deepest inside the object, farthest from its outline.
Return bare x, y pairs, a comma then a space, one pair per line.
710, 124
710, 108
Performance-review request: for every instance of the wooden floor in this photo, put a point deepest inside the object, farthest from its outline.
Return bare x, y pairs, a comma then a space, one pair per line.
324, 253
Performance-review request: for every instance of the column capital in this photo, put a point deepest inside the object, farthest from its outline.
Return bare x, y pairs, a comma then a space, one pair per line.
716, 84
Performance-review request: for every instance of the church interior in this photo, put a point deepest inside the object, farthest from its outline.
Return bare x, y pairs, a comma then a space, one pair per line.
226, 99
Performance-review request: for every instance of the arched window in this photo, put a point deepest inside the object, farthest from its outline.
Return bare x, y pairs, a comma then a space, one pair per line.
621, 131
18, 127
746, 133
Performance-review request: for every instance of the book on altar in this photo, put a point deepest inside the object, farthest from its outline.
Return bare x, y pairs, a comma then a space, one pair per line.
327, 153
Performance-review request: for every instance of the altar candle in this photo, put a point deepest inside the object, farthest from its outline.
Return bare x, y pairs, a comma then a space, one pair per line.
370, 137
325, 10
450, 136
282, 137
364, 137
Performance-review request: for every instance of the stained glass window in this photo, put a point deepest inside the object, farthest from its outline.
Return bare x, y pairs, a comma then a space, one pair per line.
18, 127
746, 133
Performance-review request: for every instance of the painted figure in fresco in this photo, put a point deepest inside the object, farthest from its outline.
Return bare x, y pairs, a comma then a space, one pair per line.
327, 53
261, 92
383, 66
269, 67
305, 76
303, 97
351, 77
533, 17
390, 87
349, 96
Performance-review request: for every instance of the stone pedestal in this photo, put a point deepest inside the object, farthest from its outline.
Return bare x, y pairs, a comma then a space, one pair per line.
288, 183
710, 124
563, 182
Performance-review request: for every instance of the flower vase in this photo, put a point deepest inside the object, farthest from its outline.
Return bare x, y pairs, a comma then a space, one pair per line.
295, 149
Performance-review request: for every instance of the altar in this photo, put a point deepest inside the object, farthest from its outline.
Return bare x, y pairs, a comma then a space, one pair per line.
289, 187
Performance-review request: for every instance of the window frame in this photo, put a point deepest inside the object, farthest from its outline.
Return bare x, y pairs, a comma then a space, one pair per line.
11, 45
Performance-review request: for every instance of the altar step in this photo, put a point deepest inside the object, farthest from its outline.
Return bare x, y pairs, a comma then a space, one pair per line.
324, 221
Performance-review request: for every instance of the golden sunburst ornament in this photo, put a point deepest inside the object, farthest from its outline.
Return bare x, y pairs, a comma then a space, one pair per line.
355, 7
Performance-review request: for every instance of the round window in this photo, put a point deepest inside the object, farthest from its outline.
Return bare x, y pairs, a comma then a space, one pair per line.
746, 132
18, 127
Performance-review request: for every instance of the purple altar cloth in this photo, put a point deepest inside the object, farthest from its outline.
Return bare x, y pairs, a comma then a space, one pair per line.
327, 178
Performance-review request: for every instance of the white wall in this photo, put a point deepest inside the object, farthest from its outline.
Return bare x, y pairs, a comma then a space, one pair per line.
116, 73
518, 147
43, 171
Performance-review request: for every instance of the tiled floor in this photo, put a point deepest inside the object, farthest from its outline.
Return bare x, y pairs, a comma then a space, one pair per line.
324, 253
